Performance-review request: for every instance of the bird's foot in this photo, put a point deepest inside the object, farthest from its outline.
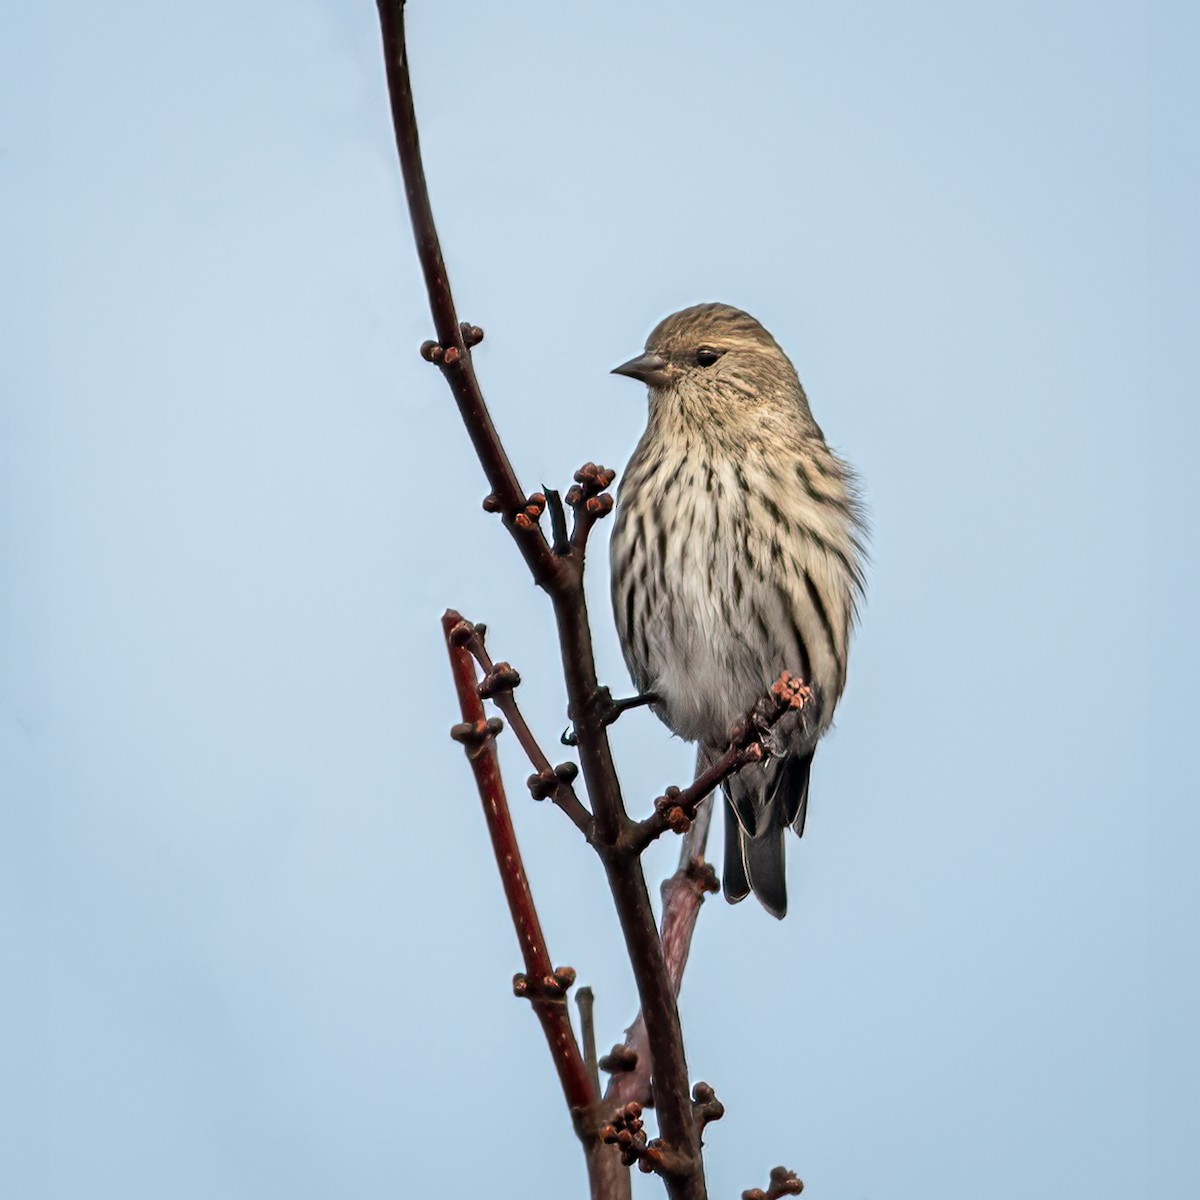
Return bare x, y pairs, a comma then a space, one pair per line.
614, 708
610, 710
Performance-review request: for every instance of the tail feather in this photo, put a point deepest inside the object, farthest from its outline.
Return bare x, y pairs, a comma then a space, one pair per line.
763, 858
734, 881
791, 790
774, 796
745, 792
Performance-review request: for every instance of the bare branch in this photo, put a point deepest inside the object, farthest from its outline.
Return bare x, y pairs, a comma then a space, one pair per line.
452, 350
545, 986
676, 808
497, 685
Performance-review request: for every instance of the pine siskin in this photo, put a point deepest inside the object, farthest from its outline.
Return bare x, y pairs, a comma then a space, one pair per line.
737, 553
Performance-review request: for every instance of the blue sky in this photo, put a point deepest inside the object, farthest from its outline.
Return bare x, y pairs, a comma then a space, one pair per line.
254, 942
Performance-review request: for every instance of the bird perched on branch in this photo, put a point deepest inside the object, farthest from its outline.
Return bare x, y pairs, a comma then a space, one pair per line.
737, 554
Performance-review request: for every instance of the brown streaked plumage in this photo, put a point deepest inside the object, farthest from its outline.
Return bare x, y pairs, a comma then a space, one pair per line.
737, 553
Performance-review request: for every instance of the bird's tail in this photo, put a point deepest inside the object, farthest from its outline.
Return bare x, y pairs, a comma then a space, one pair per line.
760, 803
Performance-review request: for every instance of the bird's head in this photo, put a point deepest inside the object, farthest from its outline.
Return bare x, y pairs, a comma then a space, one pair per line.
713, 355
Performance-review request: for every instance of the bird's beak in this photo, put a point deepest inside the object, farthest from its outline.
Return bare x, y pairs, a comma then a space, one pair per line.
649, 368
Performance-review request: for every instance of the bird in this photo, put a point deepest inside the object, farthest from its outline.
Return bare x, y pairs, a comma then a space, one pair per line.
738, 552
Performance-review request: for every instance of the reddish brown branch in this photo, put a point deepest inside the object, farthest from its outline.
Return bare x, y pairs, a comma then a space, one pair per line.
544, 986
554, 782
676, 808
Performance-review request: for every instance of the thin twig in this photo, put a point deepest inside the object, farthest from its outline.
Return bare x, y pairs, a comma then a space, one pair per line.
453, 355
552, 781
543, 984
586, 1001
676, 809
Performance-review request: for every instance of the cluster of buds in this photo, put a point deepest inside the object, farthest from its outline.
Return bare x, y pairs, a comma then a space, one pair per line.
526, 517
626, 1132
678, 817
549, 987
752, 734
705, 1105
791, 691
703, 876
440, 355
503, 677
783, 1183
546, 783
447, 356
620, 1059
589, 490
474, 735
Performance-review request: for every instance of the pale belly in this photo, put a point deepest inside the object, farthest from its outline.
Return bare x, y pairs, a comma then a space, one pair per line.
709, 652
720, 606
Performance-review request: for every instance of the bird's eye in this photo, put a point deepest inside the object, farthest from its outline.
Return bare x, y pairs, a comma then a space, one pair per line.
706, 356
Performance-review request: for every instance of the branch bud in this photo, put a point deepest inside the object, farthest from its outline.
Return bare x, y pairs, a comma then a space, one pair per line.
619, 1059
474, 735
706, 1106
462, 633
783, 1183
503, 677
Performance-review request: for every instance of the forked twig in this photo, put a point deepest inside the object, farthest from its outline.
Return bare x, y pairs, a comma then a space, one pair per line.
543, 984
499, 680
676, 808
